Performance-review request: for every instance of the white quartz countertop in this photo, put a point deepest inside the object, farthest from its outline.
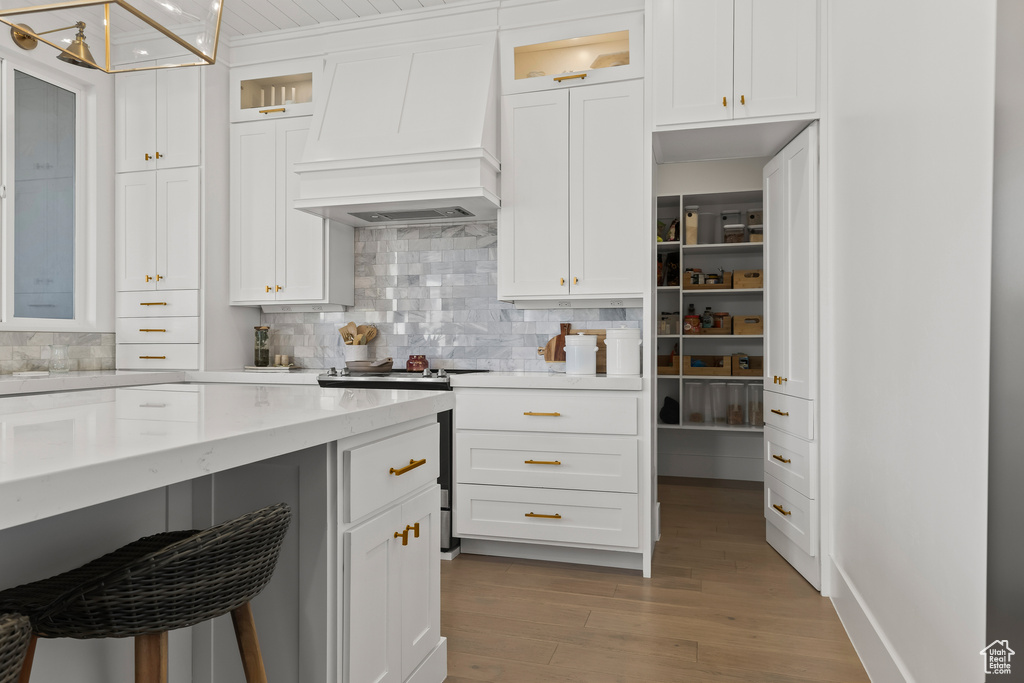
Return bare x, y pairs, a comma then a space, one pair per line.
94, 379
64, 451
547, 380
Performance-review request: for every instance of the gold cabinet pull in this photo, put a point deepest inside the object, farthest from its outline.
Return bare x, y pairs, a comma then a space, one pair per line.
542, 462
781, 509
268, 288
779, 412
725, 102
153, 303
543, 414
279, 288
415, 528
779, 380
561, 282
404, 535
743, 99
271, 111
159, 278
575, 280
781, 459
148, 157
152, 357
559, 79
159, 155
533, 514
148, 278
150, 330
413, 464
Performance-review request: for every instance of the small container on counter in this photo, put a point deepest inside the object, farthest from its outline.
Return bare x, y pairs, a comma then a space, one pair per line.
261, 347
581, 354
417, 363
623, 351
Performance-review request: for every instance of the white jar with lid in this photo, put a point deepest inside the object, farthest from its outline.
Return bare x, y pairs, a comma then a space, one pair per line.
623, 351
581, 354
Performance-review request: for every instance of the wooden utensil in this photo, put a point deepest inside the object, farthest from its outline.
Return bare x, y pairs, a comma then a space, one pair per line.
554, 350
359, 339
371, 333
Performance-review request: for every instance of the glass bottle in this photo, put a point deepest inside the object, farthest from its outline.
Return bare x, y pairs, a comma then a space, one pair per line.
707, 318
59, 361
261, 347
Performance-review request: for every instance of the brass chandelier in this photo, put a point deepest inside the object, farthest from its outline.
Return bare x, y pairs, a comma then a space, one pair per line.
191, 27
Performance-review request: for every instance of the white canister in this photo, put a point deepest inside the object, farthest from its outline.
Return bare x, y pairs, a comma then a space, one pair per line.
581, 354
623, 351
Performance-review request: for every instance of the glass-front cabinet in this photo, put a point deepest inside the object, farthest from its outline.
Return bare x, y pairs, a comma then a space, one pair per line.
279, 90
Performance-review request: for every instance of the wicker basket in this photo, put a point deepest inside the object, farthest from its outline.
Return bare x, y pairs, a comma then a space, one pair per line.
15, 632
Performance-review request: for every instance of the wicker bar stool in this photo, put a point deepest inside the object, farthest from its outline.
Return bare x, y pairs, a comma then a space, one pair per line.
158, 584
15, 632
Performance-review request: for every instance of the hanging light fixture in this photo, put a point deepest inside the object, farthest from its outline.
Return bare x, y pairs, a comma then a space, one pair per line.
192, 26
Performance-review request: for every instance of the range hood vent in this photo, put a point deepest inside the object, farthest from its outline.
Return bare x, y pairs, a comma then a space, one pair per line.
392, 141
447, 212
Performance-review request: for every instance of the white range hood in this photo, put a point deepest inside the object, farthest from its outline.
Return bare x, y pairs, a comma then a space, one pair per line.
406, 133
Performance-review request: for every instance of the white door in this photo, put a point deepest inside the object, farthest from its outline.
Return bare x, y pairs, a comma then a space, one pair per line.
135, 230
253, 211
608, 248
374, 648
533, 233
791, 243
178, 93
300, 237
693, 61
421, 580
177, 228
776, 57
135, 121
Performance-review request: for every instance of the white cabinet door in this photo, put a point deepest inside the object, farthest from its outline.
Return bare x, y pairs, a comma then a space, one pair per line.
533, 243
178, 93
253, 211
135, 230
177, 228
374, 651
791, 237
776, 57
607, 249
421, 580
135, 121
693, 61
300, 235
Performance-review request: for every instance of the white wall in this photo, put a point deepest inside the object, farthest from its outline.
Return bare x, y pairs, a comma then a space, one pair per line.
907, 287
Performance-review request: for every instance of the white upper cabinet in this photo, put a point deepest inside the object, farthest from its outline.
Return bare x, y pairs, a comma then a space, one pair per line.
719, 60
157, 220
572, 188
791, 244
280, 254
277, 90
157, 119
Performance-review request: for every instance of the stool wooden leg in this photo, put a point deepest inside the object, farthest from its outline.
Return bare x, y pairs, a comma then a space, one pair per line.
151, 658
26, 665
248, 644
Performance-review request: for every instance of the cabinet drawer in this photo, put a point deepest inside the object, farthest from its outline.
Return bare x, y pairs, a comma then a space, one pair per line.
546, 411
547, 461
792, 461
156, 330
511, 512
792, 415
379, 473
158, 356
792, 513
177, 302
164, 406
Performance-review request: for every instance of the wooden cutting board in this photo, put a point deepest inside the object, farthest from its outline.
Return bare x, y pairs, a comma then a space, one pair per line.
551, 352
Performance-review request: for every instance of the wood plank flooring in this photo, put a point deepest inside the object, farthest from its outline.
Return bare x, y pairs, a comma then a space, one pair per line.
722, 606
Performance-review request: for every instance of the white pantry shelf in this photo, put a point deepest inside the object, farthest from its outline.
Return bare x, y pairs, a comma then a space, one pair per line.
719, 292
731, 248
688, 337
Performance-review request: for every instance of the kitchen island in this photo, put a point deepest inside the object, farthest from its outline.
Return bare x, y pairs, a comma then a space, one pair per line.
83, 472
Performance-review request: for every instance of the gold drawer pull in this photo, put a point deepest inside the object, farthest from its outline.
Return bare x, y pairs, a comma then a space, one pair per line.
154, 303
532, 514
543, 414
781, 459
152, 357
413, 464
271, 111
781, 509
565, 78
779, 412
542, 462
150, 330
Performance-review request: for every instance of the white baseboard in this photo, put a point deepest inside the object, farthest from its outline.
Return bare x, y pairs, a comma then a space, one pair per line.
451, 554
710, 467
872, 646
434, 668
551, 553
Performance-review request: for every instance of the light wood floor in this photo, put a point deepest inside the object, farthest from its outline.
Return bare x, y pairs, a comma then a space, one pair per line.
722, 606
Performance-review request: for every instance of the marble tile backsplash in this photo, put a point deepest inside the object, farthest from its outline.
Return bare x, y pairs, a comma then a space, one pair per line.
432, 290
21, 351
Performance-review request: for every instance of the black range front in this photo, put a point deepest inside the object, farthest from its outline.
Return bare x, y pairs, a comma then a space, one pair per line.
427, 380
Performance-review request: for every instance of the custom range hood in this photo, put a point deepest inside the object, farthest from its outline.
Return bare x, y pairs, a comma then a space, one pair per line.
405, 133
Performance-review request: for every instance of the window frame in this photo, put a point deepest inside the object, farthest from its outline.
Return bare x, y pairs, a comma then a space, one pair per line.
85, 246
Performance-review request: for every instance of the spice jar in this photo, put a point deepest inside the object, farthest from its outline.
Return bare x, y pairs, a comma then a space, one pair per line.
718, 320
691, 324
261, 347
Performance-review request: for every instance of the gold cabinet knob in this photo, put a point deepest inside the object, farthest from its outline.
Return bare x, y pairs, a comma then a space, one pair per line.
159, 278
159, 155
743, 99
575, 280
268, 288
148, 157
148, 278
725, 102
561, 282
279, 288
